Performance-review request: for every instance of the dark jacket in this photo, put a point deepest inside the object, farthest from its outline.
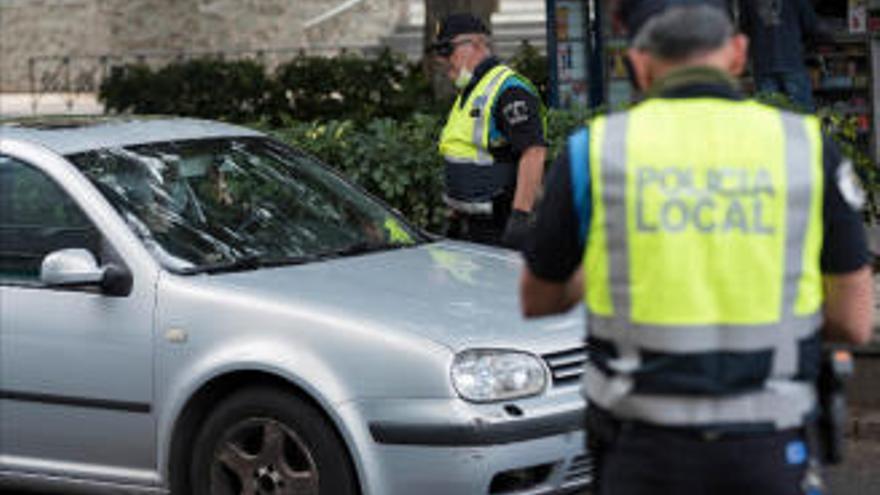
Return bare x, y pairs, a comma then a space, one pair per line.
777, 30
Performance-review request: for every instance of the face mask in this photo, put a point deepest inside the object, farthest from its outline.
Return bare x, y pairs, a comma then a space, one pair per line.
464, 77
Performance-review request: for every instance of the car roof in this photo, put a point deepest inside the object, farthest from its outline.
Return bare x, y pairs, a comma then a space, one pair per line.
68, 135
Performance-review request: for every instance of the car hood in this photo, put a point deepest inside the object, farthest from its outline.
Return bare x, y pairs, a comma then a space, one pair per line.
456, 294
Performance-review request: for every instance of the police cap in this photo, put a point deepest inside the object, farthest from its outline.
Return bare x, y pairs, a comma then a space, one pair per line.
454, 25
635, 13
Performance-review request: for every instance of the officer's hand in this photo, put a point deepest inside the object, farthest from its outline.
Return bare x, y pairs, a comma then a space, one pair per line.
516, 230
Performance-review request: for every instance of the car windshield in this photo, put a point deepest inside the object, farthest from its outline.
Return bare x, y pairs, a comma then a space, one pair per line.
238, 203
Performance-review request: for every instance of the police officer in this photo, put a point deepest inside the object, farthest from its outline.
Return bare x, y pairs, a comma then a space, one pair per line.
716, 237
493, 142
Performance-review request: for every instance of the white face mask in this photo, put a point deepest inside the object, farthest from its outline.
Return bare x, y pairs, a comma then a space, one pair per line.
464, 77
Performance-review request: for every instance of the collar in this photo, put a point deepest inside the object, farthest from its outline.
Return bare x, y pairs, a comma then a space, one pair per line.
696, 82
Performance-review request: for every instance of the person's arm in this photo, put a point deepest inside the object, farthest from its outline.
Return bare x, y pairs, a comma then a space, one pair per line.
518, 116
539, 297
849, 306
529, 176
846, 262
551, 281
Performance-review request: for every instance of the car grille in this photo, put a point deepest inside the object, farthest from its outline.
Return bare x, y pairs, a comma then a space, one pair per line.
566, 366
579, 471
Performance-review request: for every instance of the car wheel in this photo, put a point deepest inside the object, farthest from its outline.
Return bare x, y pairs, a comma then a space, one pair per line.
266, 441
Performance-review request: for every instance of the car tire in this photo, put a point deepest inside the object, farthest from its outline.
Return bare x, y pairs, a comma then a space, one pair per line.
266, 441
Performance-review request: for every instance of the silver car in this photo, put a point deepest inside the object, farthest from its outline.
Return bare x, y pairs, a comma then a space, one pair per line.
195, 308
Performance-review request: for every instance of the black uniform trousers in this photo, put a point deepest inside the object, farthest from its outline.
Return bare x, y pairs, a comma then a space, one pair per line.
653, 461
475, 228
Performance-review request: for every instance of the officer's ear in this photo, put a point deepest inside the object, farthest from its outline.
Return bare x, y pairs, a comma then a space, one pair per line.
638, 66
739, 47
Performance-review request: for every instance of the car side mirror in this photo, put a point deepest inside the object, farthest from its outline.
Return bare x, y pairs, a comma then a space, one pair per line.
78, 268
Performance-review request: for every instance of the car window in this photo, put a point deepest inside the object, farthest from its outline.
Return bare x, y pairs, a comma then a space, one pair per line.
238, 203
36, 218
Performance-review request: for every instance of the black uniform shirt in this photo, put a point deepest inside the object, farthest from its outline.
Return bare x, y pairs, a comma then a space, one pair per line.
555, 246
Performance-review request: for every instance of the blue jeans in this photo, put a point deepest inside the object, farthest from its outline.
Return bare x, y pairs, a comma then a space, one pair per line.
796, 85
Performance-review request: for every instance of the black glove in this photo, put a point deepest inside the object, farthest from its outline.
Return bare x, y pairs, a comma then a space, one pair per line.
516, 230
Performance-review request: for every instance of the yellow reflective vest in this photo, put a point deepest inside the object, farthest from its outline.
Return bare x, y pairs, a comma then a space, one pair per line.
702, 262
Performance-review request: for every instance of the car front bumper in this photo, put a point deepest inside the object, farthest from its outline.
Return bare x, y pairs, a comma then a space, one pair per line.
443, 446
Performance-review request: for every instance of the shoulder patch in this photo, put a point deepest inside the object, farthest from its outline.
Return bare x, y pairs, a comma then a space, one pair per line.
850, 185
516, 112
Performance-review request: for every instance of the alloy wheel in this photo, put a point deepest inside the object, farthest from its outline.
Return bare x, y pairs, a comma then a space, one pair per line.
262, 456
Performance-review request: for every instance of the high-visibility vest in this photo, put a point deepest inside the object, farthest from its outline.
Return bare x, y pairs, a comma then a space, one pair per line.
472, 176
702, 277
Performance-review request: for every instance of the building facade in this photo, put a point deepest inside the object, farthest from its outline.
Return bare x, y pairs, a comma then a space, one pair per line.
36, 35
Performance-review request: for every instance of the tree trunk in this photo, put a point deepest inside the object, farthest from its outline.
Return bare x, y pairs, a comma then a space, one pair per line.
435, 12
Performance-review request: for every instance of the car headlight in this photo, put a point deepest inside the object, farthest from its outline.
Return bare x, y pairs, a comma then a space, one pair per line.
486, 375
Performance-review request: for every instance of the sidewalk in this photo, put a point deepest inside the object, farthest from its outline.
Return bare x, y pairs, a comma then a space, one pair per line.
859, 473
24, 104
864, 425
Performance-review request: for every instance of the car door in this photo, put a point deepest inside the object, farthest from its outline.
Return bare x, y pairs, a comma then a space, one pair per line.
75, 364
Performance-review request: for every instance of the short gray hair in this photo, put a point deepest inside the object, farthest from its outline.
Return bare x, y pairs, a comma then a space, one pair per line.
680, 33
486, 40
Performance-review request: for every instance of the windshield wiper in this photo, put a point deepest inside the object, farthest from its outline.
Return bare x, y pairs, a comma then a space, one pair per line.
250, 262
254, 262
352, 250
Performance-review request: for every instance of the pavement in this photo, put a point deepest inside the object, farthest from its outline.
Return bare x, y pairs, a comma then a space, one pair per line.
864, 425
860, 472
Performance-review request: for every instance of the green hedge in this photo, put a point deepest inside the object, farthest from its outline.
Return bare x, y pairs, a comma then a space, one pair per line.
351, 87
236, 91
396, 160
306, 88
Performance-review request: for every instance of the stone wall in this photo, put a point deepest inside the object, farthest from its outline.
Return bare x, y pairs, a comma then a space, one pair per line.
87, 29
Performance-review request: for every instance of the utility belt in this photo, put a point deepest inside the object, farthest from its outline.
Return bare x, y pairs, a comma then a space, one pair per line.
498, 207
484, 224
604, 430
824, 433
469, 208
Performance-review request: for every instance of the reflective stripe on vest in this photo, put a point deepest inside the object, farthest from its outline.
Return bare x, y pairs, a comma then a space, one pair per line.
783, 404
706, 238
465, 138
